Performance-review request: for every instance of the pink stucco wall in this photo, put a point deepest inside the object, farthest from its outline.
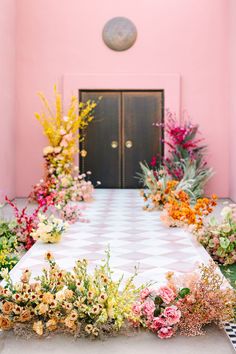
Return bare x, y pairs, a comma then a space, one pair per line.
232, 97
56, 38
7, 97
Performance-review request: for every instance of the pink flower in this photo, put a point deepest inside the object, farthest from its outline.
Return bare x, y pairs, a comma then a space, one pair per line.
167, 294
148, 308
172, 315
144, 293
165, 332
137, 308
157, 323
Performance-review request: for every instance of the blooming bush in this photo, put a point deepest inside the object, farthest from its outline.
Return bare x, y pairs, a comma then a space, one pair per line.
179, 211
62, 190
49, 229
8, 245
219, 238
76, 302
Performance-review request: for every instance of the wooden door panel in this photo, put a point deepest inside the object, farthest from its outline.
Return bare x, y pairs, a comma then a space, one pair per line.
140, 110
103, 160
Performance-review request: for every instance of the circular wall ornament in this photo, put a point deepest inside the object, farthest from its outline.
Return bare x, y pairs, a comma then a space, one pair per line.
119, 33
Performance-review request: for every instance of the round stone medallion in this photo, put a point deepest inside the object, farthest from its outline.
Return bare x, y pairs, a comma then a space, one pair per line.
119, 33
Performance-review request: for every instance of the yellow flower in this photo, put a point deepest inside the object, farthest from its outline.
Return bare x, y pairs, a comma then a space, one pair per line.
89, 328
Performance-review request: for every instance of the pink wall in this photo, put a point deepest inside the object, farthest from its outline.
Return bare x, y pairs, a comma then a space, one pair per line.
186, 37
7, 97
232, 97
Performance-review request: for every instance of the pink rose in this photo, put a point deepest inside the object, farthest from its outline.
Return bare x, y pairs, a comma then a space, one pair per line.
165, 332
172, 315
137, 308
167, 294
144, 293
157, 323
148, 308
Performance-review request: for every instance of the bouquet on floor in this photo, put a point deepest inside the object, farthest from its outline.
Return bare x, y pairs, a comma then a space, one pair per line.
180, 212
63, 130
184, 165
49, 229
73, 302
186, 304
94, 305
219, 238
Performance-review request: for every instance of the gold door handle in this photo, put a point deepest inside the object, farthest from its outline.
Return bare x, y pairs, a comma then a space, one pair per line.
114, 144
129, 144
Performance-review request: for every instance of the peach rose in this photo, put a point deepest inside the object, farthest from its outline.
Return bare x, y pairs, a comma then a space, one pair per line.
25, 316
7, 307
5, 323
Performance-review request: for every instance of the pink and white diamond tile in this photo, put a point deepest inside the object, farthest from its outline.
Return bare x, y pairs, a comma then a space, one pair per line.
136, 239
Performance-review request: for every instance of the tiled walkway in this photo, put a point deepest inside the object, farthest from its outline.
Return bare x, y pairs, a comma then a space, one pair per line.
135, 238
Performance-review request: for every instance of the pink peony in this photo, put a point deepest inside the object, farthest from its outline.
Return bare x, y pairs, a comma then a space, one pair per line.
144, 293
167, 294
148, 308
172, 315
165, 332
157, 323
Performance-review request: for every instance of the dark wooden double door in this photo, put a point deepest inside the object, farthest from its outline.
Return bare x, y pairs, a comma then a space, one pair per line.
121, 135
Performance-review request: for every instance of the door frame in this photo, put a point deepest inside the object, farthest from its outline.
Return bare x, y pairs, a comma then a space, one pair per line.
162, 91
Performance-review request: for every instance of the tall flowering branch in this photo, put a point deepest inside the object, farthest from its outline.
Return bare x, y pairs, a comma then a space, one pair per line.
25, 223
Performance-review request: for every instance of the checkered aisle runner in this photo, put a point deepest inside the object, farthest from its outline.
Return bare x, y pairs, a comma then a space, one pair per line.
135, 237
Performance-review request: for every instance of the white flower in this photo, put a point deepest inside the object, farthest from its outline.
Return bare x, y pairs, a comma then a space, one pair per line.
226, 212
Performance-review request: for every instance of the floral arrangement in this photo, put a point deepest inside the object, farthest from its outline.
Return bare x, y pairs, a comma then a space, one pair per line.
94, 305
8, 245
186, 304
62, 182
76, 302
63, 132
158, 186
157, 310
183, 145
49, 229
209, 300
179, 211
25, 223
71, 214
62, 190
219, 238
